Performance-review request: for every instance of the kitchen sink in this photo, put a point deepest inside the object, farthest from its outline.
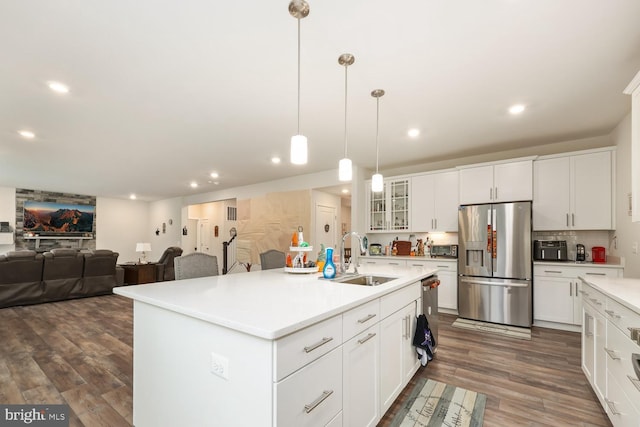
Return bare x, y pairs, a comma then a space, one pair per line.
364, 279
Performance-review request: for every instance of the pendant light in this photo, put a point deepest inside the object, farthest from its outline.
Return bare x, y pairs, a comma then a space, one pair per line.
345, 170
377, 182
299, 9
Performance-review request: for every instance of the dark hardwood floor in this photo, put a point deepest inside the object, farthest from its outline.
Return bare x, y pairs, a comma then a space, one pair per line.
527, 383
80, 352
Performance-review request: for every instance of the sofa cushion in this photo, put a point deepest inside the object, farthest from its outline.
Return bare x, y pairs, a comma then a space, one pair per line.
99, 276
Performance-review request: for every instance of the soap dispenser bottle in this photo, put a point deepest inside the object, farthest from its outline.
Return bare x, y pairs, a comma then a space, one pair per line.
329, 269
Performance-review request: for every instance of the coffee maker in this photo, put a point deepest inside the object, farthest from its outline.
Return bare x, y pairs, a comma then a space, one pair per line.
580, 253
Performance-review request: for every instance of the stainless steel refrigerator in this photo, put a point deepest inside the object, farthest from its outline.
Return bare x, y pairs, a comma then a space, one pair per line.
494, 263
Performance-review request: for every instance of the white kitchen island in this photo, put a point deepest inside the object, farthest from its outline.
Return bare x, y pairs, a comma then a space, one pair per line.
269, 348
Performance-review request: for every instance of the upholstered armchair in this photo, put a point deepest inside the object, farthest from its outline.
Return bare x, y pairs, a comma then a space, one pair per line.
164, 268
272, 259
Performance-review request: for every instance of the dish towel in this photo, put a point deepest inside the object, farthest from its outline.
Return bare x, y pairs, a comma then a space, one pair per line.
424, 340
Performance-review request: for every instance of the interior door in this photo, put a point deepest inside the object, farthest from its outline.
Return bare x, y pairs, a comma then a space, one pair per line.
204, 236
325, 228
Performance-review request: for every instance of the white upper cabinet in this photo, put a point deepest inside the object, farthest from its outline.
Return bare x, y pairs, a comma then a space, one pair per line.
502, 182
434, 202
574, 192
389, 210
634, 90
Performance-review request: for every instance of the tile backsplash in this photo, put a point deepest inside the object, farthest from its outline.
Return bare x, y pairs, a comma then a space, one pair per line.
589, 239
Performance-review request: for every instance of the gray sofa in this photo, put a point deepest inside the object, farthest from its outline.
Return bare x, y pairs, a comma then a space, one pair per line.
27, 277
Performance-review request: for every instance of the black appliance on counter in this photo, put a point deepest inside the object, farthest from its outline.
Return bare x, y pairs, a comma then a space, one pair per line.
581, 255
444, 251
550, 250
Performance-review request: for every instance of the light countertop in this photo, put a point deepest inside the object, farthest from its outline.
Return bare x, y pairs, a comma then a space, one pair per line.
268, 304
579, 264
411, 258
624, 291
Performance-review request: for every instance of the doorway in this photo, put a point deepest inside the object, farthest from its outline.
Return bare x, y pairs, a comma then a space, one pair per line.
204, 236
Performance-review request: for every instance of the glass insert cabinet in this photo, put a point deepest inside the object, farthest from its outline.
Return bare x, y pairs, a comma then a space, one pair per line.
389, 209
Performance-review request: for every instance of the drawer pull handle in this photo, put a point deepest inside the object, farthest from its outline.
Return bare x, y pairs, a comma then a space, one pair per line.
366, 319
553, 271
442, 266
318, 344
583, 292
634, 334
596, 274
367, 338
612, 314
612, 407
612, 354
394, 263
595, 301
311, 406
634, 381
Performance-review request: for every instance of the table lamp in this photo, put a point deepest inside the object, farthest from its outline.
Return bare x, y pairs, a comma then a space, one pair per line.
143, 247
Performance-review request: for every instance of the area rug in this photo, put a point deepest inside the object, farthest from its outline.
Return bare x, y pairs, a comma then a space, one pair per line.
435, 404
507, 331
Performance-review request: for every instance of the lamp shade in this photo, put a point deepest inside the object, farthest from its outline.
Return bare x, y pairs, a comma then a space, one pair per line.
377, 183
143, 247
299, 150
345, 171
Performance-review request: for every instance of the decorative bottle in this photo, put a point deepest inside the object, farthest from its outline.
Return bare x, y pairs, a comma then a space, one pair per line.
329, 269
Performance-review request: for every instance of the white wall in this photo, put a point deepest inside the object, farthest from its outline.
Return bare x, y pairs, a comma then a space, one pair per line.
627, 232
164, 212
8, 212
120, 225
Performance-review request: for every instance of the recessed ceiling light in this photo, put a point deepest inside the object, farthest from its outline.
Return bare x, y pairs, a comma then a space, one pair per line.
214, 174
133, 197
516, 109
194, 184
58, 87
275, 160
413, 133
27, 134
345, 191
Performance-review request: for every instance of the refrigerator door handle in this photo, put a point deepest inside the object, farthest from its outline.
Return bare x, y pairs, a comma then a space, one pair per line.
491, 283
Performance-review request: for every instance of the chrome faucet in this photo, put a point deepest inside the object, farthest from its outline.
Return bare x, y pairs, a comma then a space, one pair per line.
343, 265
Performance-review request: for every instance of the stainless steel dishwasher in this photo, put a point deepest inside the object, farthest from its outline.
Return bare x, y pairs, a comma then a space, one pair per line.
430, 304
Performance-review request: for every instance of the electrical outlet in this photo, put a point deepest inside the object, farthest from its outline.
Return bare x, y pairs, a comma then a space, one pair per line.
220, 366
634, 248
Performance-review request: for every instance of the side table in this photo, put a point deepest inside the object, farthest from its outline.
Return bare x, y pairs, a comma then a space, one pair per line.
137, 274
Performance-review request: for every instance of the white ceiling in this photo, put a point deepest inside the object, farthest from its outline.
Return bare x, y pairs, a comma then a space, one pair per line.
164, 91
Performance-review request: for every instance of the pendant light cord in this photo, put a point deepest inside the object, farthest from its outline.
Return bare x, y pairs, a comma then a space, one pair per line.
377, 128
345, 112
298, 76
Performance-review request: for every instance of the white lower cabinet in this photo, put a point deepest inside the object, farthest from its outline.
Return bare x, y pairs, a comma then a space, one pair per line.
556, 291
607, 356
397, 355
361, 361
311, 396
382, 343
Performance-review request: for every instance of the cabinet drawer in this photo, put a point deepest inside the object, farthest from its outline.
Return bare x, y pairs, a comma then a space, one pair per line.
622, 317
619, 363
594, 298
618, 406
298, 349
360, 318
393, 302
564, 270
313, 395
597, 272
